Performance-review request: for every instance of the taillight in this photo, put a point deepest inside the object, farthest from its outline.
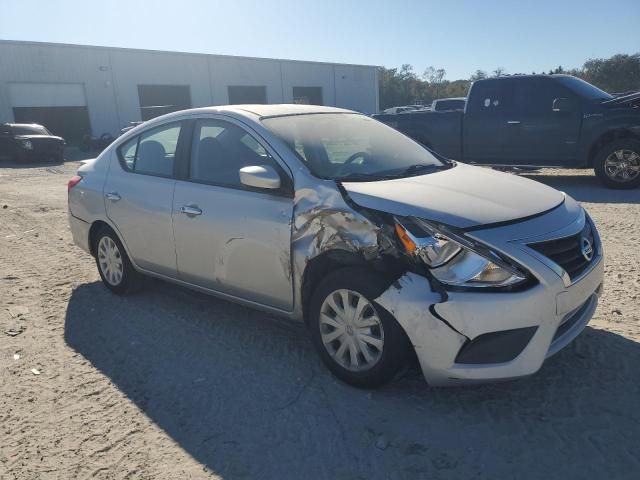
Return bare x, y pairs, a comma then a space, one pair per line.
73, 182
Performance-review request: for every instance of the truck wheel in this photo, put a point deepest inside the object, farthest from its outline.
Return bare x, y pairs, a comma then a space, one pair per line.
360, 343
617, 164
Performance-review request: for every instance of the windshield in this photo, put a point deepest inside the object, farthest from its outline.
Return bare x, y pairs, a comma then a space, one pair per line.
343, 146
584, 89
30, 130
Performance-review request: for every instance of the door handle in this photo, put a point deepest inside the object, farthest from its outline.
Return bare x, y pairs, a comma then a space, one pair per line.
113, 196
190, 210
513, 122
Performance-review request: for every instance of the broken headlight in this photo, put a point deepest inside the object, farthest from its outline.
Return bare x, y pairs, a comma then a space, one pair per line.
454, 259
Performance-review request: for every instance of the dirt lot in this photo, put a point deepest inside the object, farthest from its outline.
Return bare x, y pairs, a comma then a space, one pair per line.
173, 384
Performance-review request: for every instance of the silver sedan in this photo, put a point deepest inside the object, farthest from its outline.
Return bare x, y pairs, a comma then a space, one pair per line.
329, 217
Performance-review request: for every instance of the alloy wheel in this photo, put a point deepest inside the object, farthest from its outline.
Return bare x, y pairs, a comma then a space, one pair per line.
351, 330
622, 165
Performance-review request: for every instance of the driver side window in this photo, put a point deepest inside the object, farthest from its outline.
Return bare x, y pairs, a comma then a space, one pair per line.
220, 149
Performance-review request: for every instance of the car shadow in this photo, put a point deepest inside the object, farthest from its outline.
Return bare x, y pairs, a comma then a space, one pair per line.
587, 188
246, 396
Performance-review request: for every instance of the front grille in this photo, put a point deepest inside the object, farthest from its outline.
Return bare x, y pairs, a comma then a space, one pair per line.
567, 251
46, 145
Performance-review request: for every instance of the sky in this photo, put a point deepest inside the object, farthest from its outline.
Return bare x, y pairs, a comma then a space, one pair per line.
460, 36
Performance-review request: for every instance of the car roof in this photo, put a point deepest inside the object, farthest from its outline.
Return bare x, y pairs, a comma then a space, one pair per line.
270, 110
252, 112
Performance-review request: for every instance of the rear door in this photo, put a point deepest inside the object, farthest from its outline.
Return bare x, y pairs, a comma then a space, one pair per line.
229, 237
485, 123
139, 196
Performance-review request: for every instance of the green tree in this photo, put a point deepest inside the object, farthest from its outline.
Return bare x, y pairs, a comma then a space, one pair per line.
619, 73
479, 75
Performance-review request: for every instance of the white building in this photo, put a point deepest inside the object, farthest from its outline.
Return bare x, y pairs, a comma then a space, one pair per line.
74, 89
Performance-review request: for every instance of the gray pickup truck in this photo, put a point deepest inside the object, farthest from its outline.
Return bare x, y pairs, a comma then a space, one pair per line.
536, 121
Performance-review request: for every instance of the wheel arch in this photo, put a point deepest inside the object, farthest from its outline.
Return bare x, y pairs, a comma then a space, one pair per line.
318, 267
606, 138
96, 226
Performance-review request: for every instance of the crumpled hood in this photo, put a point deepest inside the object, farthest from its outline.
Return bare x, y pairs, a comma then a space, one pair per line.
463, 196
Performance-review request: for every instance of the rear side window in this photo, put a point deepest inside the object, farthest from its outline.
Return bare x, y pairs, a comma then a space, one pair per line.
489, 97
152, 152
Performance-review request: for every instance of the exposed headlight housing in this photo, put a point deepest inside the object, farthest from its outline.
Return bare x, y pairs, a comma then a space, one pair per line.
456, 260
27, 144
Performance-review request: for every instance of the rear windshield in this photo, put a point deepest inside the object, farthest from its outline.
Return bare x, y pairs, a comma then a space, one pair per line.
450, 105
343, 146
30, 130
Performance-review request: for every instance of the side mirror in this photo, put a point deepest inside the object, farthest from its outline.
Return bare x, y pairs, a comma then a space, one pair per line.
561, 105
260, 176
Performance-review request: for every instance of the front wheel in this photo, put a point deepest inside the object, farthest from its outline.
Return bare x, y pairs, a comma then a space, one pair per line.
114, 265
617, 164
359, 342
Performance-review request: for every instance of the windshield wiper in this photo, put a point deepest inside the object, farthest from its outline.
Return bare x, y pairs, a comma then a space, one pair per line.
363, 177
422, 168
391, 174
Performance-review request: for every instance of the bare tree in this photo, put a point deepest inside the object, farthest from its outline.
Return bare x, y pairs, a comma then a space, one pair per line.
498, 72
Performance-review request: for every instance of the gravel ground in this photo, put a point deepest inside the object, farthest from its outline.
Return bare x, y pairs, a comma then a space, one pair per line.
173, 384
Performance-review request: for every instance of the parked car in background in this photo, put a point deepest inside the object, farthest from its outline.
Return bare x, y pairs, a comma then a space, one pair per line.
96, 144
330, 217
442, 104
29, 142
130, 126
537, 121
405, 109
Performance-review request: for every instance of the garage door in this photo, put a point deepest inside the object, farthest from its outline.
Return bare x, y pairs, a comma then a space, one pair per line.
61, 107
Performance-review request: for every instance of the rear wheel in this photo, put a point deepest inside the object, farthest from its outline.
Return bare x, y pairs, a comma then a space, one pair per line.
617, 164
358, 341
114, 265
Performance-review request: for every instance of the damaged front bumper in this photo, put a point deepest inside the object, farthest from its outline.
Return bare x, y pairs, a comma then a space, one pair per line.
475, 336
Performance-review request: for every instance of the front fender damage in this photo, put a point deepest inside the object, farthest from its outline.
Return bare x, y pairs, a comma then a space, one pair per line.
434, 340
326, 219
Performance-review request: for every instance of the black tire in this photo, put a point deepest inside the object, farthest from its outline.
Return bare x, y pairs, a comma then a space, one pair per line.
602, 155
396, 348
131, 280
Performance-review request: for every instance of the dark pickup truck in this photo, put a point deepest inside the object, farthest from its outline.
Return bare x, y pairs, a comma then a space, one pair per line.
536, 121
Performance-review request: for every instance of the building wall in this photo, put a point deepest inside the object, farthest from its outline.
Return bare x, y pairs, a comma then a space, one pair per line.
111, 76
42, 63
